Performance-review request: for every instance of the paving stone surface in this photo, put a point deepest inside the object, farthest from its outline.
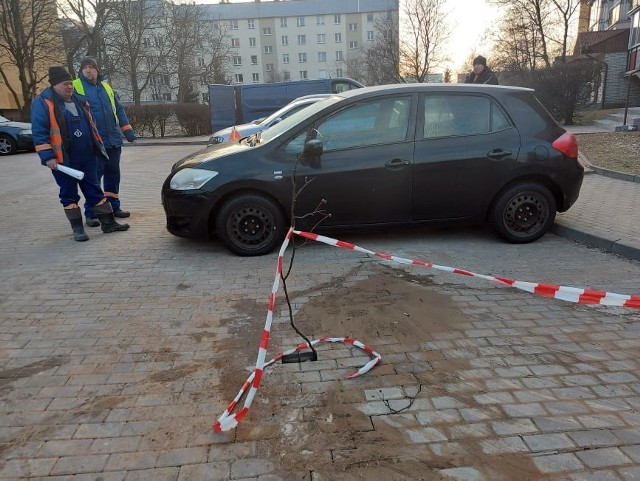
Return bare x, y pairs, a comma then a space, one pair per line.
118, 354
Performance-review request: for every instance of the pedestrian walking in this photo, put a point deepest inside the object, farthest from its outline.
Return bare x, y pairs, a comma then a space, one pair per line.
112, 122
481, 74
64, 133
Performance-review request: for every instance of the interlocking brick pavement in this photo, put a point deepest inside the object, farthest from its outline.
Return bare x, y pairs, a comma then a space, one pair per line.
115, 353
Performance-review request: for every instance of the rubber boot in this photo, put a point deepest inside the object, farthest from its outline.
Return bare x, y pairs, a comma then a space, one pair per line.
107, 221
75, 219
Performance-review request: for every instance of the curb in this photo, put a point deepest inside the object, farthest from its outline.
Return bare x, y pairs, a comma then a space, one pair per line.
615, 174
619, 247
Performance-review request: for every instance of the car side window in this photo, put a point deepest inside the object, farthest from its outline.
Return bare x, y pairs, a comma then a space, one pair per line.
454, 115
375, 122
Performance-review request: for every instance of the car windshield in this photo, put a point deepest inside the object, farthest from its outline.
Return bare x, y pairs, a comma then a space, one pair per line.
281, 127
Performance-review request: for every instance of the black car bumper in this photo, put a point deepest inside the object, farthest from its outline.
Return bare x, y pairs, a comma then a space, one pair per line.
187, 213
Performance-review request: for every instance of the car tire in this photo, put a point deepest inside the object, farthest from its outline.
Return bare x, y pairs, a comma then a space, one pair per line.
250, 224
523, 212
8, 146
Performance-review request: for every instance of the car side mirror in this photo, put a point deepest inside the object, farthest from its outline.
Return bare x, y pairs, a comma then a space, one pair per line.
311, 153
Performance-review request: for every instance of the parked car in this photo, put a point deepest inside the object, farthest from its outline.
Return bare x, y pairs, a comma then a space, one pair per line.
387, 155
14, 136
259, 125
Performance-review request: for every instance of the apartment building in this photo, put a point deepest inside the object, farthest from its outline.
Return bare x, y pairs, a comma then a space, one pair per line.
280, 40
609, 31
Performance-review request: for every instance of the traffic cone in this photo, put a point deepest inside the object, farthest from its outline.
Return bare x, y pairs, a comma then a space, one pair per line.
235, 135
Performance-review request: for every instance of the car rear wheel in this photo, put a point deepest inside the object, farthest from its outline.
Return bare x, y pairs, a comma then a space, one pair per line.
250, 225
523, 213
7, 145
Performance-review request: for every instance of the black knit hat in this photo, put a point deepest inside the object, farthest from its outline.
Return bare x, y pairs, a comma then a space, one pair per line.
89, 61
480, 60
58, 74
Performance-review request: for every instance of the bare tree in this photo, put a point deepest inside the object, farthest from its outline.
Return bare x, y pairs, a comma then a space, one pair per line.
517, 43
566, 10
382, 57
137, 41
201, 49
425, 34
30, 41
85, 26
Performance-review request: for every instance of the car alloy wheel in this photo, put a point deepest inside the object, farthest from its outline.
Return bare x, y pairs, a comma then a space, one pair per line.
7, 145
523, 213
250, 224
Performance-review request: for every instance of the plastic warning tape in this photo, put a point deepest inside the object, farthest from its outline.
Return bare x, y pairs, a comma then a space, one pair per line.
564, 293
228, 419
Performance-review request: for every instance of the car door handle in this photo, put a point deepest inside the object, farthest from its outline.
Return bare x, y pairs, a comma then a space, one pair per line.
396, 163
498, 154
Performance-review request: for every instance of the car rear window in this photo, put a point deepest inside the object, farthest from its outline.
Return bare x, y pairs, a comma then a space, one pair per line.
453, 115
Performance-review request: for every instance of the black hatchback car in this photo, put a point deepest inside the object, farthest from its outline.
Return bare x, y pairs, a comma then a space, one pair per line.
394, 154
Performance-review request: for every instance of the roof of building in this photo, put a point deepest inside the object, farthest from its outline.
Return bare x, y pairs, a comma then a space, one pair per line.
604, 41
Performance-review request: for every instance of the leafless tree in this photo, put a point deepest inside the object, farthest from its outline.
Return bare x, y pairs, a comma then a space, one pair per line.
85, 25
382, 57
136, 38
425, 33
30, 42
533, 32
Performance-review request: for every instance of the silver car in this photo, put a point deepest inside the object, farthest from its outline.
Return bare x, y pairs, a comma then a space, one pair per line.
244, 130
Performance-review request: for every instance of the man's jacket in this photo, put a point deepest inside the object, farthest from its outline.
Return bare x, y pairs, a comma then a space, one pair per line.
107, 110
486, 77
50, 136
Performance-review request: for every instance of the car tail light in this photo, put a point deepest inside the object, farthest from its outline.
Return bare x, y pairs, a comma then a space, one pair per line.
567, 144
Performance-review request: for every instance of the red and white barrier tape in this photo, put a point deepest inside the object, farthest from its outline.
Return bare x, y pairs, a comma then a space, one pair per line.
229, 420
565, 293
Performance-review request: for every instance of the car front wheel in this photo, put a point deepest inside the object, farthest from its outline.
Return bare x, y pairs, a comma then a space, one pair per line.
7, 145
250, 225
523, 213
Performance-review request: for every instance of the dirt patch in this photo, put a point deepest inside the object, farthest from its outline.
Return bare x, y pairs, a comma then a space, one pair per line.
325, 433
617, 151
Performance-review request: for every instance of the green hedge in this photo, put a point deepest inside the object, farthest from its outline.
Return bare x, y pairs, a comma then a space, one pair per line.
160, 120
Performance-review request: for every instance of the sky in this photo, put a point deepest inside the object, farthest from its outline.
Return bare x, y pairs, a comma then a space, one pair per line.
470, 20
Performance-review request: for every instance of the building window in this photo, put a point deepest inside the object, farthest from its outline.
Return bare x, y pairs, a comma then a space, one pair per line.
302, 39
321, 38
269, 67
238, 78
283, 22
252, 41
285, 58
337, 19
370, 35
254, 60
266, 31
146, 42
166, 97
369, 17
337, 37
286, 75
353, 44
250, 24
339, 56
235, 42
200, 62
285, 40
233, 24
268, 49
322, 56
303, 75
353, 27
255, 78
319, 19
302, 57
300, 21
338, 72
237, 60
322, 74
205, 97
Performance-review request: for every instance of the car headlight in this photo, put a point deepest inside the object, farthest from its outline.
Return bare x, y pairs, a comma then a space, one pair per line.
189, 179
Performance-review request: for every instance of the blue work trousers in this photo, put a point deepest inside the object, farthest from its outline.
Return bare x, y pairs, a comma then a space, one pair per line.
109, 176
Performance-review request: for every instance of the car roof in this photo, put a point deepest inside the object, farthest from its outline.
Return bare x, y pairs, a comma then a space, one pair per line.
312, 97
430, 87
